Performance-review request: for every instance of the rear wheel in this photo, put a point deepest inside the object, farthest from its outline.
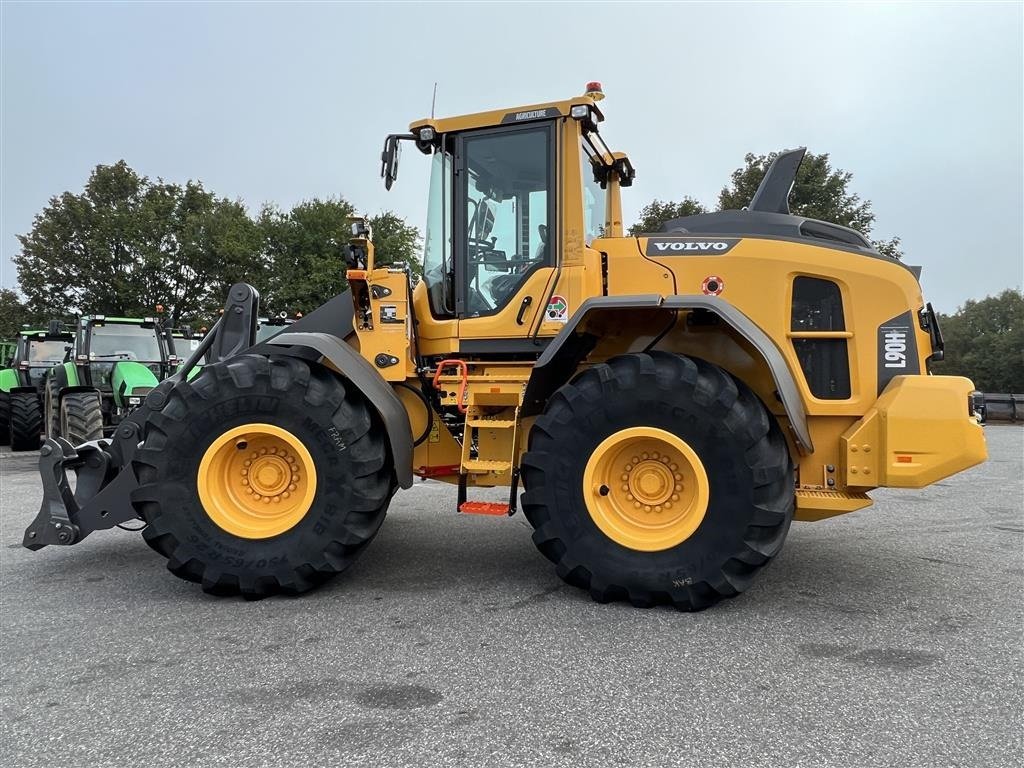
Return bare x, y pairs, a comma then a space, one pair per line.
657, 478
81, 417
5, 419
262, 476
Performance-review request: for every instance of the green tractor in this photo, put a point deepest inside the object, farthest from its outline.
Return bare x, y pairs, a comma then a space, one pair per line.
21, 381
7, 349
115, 363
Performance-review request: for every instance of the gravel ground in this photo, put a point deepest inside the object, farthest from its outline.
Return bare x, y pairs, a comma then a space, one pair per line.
892, 636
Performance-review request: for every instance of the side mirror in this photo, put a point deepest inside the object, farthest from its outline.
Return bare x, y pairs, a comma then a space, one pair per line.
389, 160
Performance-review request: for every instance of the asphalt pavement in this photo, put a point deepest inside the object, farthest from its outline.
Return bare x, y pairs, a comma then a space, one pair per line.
888, 637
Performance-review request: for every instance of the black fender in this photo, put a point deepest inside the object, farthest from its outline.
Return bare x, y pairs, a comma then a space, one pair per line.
562, 356
350, 363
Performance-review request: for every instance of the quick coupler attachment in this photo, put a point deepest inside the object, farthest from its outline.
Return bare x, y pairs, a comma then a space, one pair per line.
101, 497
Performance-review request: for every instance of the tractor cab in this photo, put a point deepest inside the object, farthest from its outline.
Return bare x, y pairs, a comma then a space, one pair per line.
35, 352
102, 342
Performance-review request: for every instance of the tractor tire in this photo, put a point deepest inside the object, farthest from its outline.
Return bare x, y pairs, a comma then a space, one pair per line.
51, 405
210, 472
5, 419
26, 421
658, 479
81, 417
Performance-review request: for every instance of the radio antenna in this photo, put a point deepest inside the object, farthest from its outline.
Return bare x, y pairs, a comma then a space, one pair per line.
433, 101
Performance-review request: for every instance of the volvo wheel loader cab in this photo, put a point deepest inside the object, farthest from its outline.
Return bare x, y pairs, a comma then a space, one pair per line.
669, 402
115, 363
34, 353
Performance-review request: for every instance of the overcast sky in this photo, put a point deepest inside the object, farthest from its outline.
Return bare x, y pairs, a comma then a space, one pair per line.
280, 102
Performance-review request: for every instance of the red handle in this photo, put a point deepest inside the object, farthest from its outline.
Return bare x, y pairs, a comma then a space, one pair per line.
464, 370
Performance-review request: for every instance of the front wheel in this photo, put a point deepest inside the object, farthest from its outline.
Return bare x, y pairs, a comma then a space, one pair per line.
262, 476
658, 478
80, 417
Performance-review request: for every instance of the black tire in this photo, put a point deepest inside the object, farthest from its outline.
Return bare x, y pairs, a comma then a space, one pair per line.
746, 458
51, 405
26, 421
348, 445
5, 419
81, 417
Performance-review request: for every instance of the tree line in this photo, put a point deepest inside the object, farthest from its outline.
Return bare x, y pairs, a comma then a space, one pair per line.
127, 243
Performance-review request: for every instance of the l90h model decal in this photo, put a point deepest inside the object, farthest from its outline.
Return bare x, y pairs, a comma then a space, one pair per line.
897, 349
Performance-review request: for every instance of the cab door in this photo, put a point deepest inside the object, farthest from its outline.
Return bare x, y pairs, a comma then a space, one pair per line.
506, 238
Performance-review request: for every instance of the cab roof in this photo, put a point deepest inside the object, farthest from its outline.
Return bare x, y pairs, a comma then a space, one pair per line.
507, 116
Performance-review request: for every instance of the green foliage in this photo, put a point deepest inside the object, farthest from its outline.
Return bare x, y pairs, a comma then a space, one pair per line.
820, 192
985, 342
12, 314
657, 212
303, 254
396, 242
127, 243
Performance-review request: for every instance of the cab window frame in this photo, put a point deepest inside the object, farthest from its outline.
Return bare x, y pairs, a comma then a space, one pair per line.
460, 245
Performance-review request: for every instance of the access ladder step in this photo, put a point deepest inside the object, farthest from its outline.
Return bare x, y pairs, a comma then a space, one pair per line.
481, 423
483, 508
485, 465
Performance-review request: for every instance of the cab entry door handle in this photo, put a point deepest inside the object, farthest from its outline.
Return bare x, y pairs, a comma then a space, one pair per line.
522, 309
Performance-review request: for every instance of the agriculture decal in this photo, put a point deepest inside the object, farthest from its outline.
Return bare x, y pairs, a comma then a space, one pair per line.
558, 310
712, 285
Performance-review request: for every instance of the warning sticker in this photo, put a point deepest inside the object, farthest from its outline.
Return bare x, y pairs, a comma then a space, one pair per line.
712, 285
558, 310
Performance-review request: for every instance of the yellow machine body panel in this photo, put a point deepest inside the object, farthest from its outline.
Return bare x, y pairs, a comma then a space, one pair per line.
848, 324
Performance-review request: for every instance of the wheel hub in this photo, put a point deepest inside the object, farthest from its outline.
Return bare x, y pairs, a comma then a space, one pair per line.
646, 488
256, 481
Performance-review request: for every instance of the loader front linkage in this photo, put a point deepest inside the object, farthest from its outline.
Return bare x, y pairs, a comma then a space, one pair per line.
104, 482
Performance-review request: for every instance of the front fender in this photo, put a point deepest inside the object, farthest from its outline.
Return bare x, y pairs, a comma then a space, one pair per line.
377, 391
562, 356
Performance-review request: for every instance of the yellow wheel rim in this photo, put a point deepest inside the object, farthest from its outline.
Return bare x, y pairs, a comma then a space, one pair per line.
256, 481
646, 489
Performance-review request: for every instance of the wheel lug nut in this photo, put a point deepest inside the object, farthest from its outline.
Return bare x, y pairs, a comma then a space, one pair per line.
647, 507
291, 487
266, 500
629, 497
675, 497
679, 487
674, 467
625, 477
625, 487
247, 463
636, 504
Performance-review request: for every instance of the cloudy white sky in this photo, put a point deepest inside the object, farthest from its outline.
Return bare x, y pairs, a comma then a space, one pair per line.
280, 102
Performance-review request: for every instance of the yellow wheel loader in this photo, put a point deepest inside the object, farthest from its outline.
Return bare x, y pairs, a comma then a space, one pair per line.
669, 403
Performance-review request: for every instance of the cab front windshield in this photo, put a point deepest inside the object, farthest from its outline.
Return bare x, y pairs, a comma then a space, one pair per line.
46, 351
111, 343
